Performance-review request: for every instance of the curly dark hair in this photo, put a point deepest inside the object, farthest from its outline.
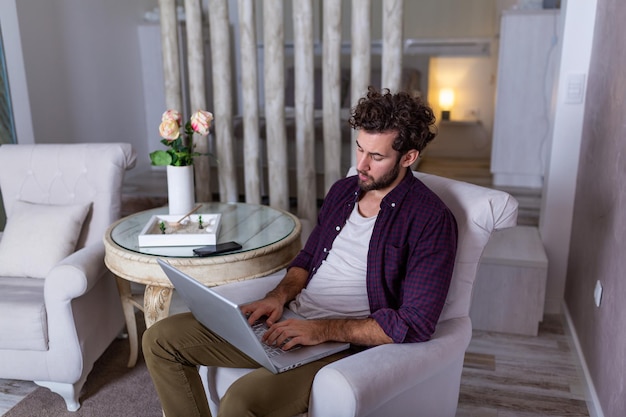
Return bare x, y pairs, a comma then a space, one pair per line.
382, 111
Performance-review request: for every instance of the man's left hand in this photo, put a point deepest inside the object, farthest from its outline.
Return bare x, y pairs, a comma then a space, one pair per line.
293, 332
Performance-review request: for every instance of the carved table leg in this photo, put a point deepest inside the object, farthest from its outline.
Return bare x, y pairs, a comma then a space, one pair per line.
156, 303
128, 307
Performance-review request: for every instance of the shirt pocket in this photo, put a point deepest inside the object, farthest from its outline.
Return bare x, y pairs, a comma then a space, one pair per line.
394, 268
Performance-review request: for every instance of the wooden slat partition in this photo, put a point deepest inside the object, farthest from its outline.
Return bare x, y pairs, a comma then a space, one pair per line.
250, 98
331, 91
392, 44
361, 57
274, 88
305, 112
274, 80
219, 25
197, 96
169, 45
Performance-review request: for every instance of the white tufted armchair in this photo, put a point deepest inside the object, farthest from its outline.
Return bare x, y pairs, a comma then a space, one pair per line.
412, 379
59, 305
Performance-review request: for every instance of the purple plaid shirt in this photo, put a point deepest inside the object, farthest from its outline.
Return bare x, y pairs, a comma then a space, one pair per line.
410, 258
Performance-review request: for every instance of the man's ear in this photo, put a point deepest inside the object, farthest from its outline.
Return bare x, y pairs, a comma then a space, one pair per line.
409, 158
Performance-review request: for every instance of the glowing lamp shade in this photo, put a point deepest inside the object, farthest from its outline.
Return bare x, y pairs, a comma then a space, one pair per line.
446, 101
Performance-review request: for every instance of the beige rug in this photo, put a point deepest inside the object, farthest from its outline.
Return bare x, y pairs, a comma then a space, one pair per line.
112, 390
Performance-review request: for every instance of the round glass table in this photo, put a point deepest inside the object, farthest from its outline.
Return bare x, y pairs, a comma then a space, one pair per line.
270, 239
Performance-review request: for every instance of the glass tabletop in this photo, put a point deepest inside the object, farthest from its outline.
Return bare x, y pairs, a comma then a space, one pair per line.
252, 226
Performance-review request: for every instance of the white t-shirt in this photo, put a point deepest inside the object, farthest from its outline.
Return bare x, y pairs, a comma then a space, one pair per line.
338, 288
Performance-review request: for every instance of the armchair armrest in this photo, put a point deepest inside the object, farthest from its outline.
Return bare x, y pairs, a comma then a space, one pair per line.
76, 274
242, 292
375, 381
359, 384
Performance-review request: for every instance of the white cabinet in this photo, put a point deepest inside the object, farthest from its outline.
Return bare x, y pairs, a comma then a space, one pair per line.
526, 63
510, 287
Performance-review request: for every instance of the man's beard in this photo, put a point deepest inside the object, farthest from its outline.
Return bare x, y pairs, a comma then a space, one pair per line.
383, 182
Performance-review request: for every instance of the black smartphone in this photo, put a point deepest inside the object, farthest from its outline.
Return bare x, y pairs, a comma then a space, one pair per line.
215, 249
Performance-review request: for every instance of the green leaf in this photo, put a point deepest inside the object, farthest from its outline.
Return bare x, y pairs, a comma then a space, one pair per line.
160, 158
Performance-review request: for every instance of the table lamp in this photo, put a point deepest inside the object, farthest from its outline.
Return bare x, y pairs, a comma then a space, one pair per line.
446, 100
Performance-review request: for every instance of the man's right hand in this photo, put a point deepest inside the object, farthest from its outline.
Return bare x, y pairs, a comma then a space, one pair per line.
273, 304
270, 307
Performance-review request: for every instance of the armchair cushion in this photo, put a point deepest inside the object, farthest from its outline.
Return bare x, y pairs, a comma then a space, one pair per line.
38, 236
23, 314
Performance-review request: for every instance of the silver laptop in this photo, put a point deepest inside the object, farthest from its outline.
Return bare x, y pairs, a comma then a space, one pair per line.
224, 317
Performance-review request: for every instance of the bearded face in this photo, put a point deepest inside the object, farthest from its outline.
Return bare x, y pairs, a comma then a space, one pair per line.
385, 180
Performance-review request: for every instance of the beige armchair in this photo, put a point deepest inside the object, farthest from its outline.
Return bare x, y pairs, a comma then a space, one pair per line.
414, 379
59, 305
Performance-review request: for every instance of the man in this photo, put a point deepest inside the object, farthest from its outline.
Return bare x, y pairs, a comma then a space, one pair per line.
376, 269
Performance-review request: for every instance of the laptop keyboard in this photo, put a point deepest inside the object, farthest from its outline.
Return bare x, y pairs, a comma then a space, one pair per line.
259, 329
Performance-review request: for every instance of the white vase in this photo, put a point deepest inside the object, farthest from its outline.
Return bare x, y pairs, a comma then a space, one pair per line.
180, 189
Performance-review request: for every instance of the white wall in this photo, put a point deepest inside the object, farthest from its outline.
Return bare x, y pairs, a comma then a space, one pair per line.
560, 177
82, 70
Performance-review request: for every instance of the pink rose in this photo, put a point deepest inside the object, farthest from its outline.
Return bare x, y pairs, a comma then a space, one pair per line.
172, 115
169, 129
201, 122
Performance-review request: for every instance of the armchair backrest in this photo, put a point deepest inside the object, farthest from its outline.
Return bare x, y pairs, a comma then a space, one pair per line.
68, 174
478, 212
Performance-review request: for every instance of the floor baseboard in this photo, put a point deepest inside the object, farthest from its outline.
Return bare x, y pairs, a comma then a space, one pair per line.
593, 402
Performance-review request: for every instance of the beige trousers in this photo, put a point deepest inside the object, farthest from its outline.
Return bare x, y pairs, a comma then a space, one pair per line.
173, 349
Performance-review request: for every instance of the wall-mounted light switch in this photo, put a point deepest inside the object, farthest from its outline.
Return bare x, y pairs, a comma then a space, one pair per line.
575, 88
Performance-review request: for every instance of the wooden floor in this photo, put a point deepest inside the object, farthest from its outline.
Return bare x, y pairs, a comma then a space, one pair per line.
11, 392
523, 376
504, 375
510, 375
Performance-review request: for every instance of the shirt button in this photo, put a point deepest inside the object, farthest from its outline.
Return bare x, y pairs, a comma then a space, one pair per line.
338, 228
325, 250
393, 204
